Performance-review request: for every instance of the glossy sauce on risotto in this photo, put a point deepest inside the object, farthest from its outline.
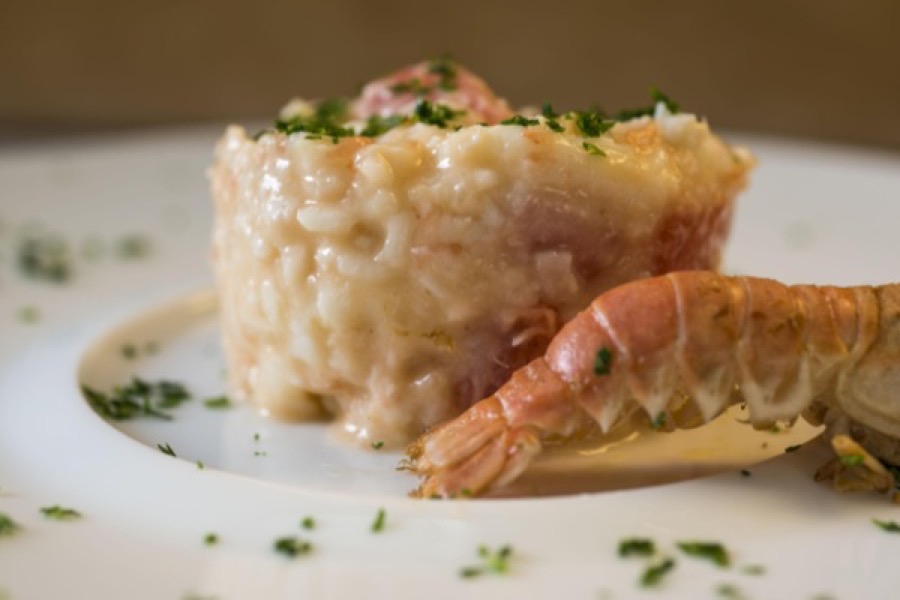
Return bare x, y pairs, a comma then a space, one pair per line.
390, 277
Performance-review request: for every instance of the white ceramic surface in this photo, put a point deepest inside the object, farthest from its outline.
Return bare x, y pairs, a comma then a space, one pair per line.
814, 213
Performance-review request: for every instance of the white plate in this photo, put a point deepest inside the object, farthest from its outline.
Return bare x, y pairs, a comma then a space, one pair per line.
813, 214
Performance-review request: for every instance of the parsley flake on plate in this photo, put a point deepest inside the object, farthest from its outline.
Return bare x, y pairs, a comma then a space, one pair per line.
166, 449
496, 562
291, 546
59, 513
217, 402
378, 523
654, 574
713, 551
889, 526
637, 547
7, 526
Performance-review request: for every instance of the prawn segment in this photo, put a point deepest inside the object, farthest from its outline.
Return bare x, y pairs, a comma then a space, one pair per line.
682, 348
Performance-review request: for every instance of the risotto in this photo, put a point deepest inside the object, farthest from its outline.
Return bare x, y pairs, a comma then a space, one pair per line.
388, 261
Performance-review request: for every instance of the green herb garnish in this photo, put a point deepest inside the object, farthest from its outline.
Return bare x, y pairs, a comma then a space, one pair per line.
520, 120
378, 523
435, 114
729, 591
308, 523
654, 574
445, 68
656, 96
132, 246
139, 398
377, 125
7, 526
129, 351
636, 547
852, 460
378, 445
659, 421
603, 361
793, 448
166, 449
200, 465
292, 546
411, 86
59, 513
891, 526
551, 118
592, 123
592, 149
713, 551
211, 539
217, 402
45, 256
29, 314
491, 562
325, 121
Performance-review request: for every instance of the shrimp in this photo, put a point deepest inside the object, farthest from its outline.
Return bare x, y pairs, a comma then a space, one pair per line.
682, 348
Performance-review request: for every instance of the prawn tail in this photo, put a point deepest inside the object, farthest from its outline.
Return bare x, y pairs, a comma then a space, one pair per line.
494, 441
467, 455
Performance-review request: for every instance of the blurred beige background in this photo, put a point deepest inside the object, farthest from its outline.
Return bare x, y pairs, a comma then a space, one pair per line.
813, 68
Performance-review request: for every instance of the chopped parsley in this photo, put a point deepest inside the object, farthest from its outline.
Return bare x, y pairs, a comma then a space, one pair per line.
325, 121
592, 149
378, 523
132, 247
637, 547
217, 402
308, 523
551, 118
854, 460
58, 513
656, 96
659, 421
211, 539
166, 449
445, 68
603, 361
520, 120
376, 124
713, 551
29, 314
7, 526
139, 398
45, 256
653, 575
890, 526
592, 123
377, 445
729, 591
291, 546
200, 465
491, 562
435, 114
411, 86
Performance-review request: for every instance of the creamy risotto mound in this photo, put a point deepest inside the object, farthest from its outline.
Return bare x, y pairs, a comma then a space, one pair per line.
389, 260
